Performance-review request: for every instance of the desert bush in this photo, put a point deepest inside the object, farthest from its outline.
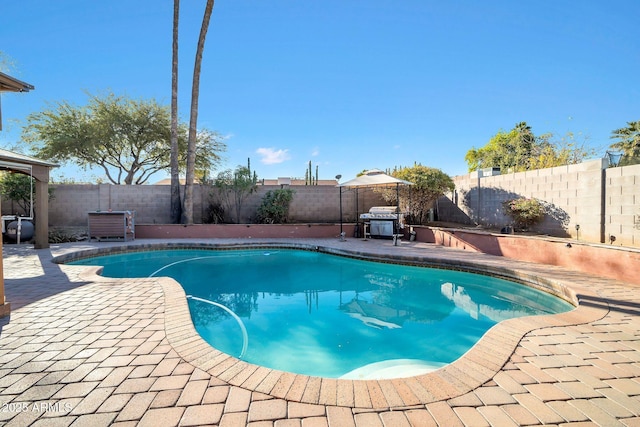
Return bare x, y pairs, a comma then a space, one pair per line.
524, 212
274, 208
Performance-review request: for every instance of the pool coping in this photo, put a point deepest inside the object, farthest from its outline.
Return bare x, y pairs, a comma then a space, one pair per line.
475, 368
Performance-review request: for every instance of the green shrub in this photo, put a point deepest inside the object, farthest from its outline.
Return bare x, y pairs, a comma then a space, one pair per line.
214, 213
274, 208
524, 212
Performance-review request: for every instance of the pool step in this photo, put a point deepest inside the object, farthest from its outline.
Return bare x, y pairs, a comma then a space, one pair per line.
394, 368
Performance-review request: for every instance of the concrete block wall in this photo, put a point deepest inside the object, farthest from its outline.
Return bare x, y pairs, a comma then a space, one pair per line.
72, 202
602, 201
151, 202
587, 201
315, 203
622, 205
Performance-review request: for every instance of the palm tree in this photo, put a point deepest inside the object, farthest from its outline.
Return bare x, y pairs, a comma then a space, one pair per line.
524, 144
176, 205
187, 210
628, 142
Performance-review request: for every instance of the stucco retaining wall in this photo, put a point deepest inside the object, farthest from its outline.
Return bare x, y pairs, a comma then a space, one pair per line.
620, 263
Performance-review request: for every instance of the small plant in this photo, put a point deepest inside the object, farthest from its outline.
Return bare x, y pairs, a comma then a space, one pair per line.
235, 186
524, 212
65, 236
274, 208
214, 213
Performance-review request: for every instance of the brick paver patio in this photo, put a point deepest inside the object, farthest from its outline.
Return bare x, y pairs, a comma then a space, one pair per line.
85, 350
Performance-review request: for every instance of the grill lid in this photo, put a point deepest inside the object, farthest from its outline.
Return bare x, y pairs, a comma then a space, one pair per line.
382, 210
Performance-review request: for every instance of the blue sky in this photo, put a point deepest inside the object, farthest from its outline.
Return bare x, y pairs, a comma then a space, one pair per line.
348, 85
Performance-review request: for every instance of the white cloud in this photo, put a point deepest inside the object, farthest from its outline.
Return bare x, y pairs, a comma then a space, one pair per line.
271, 156
315, 152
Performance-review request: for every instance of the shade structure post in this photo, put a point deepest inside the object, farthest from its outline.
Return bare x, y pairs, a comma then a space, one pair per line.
395, 234
341, 232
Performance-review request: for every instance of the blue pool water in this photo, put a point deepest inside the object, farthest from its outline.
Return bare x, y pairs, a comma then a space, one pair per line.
319, 314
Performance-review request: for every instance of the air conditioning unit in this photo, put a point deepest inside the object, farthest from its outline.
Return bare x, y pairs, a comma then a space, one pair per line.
489, 172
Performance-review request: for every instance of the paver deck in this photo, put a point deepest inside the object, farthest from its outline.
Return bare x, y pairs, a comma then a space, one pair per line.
79, 349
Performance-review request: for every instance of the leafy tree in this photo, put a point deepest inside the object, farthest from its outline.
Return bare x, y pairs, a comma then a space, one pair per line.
506, 150
428, 185
628, 142
6, 63
520, 150
235, 186
187, 208
128, 139
274, 208
20, 189
548, 153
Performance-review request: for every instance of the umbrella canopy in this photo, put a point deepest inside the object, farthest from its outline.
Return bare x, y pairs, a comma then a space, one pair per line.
374, 178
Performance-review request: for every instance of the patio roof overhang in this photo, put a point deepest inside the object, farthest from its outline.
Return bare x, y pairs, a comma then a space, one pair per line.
11, 84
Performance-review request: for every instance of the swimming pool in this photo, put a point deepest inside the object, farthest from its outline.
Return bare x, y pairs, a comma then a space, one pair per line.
319, 314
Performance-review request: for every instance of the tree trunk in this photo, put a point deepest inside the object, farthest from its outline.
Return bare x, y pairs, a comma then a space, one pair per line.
176, 204
187, 211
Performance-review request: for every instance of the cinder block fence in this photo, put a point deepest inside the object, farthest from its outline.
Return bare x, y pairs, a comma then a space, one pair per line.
588, 201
